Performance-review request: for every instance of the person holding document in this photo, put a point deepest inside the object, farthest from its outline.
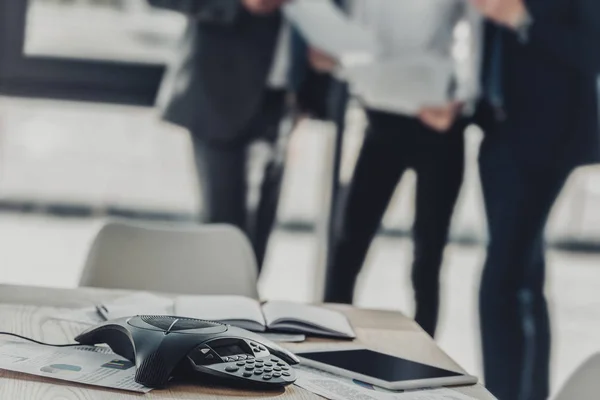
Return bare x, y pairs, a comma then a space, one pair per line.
418, 124
540, 118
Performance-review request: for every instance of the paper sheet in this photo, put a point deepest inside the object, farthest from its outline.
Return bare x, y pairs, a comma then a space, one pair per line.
328, 29
334, 387
402, 86
135, 304
139, 304
97, 366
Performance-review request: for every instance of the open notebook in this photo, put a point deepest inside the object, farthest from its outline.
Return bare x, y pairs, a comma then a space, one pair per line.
273, 316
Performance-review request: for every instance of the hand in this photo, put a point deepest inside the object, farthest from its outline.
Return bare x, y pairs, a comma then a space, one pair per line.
262, 7
321, 61
505, 12
439, 118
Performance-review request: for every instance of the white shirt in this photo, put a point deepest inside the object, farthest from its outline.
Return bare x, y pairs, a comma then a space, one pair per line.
278, 76
425, 29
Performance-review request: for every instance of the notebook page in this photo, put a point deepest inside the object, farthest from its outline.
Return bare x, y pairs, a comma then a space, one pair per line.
235, 310
287, 314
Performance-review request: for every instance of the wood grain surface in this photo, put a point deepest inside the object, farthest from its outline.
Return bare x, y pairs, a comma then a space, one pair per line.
32, 311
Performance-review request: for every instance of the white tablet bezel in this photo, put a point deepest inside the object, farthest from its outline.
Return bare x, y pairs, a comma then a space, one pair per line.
461, 380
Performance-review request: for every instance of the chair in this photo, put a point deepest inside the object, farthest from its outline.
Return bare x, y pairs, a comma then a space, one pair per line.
209, 259
584, 384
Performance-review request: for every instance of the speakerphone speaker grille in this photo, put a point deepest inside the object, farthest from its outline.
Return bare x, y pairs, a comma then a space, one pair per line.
177, 324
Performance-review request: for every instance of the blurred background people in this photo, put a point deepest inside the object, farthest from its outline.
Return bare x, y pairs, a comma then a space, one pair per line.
228, 88
540, 116
431, 143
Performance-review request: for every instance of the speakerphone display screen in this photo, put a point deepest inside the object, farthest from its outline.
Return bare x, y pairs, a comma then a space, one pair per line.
231, 350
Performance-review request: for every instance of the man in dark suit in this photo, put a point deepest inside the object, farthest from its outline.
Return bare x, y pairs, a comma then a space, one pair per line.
229, 89
540, 116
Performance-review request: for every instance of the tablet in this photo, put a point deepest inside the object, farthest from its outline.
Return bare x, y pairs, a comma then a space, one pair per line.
383, 370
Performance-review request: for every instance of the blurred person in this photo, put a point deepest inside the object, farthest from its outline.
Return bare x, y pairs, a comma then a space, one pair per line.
540, 117
431, 143
229, 89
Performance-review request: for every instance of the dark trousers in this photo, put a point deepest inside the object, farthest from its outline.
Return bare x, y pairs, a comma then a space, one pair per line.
223, 173
513, 311
393, 144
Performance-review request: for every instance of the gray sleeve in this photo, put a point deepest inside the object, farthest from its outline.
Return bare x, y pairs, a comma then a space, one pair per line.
218, 12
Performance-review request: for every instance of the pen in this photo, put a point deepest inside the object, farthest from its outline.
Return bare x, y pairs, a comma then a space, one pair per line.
102, 311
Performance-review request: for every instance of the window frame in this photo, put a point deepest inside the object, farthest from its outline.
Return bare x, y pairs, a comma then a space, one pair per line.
68, 78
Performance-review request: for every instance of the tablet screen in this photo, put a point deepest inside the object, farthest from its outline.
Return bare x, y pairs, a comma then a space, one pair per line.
378, 365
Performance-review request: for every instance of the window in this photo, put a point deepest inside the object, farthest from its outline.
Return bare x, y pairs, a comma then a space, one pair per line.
96, 50
116, 30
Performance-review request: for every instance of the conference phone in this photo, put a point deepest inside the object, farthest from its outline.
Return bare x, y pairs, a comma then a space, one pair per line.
166, 347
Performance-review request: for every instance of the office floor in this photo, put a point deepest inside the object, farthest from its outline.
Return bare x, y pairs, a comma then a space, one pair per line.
81, 154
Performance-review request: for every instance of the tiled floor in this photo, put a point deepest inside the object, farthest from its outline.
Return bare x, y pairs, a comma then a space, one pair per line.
124, 157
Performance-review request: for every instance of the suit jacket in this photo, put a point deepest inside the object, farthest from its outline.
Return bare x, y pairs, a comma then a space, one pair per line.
550, 84
216, 85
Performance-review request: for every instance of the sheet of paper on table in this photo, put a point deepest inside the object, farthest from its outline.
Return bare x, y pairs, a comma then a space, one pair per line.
126, 306
96, 366
334, 387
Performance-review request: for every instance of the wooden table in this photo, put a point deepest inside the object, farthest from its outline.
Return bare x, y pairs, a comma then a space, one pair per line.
25, 310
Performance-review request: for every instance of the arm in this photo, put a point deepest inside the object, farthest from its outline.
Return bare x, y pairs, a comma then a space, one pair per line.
469, 70
218, 12
578, 46
466, 71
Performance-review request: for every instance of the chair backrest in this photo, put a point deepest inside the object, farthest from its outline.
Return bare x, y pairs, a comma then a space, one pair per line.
584, 384
208, 259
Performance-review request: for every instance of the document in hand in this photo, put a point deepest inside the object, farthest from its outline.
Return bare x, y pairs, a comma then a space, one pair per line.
273, 316
402, 86
328, 29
